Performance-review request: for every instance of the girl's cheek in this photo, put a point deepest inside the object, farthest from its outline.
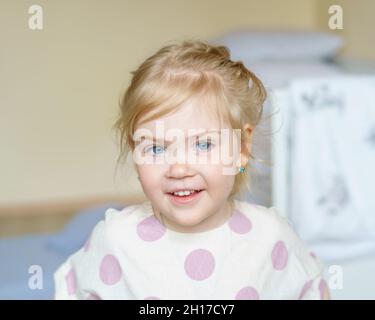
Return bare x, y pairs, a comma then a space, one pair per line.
215, 174
148, 175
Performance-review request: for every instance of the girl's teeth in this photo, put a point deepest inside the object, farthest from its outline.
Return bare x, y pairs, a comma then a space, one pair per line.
183, 193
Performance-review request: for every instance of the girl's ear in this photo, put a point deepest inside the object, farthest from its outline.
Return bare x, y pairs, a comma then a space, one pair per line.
246, 146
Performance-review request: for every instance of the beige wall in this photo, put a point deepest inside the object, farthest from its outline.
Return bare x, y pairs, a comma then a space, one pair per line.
358, 26
60, 86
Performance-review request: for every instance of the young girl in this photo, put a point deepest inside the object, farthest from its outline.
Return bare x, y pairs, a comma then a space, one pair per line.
192, 238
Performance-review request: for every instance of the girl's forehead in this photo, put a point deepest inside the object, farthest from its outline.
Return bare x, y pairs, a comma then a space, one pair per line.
159, 130
192, 115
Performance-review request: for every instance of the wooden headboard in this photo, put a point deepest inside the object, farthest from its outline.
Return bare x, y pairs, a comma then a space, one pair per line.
51, 215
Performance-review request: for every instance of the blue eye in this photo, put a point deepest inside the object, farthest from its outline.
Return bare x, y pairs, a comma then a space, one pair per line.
155, 149
206, 145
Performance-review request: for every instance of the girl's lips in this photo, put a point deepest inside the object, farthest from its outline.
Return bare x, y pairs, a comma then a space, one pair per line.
185, 200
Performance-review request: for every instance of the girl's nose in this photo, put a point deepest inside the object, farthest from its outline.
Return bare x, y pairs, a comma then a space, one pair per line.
179, 170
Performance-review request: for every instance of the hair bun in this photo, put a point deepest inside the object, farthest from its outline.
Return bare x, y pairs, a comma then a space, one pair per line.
221, 51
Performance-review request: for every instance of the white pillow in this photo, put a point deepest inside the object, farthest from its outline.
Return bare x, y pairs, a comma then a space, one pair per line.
268, 45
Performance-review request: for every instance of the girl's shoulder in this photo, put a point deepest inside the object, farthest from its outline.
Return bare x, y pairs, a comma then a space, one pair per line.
275, 232
130, 213
270, 222
108, 237
271, 218
117, 224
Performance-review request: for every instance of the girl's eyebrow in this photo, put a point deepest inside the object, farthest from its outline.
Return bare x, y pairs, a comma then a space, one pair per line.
169, 142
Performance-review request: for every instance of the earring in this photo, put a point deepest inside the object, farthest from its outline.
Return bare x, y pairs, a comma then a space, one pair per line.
241, 169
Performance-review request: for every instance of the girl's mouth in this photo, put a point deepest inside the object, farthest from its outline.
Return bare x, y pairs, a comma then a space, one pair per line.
184, 199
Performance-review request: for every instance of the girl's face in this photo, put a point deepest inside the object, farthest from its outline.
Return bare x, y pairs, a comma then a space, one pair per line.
203, 210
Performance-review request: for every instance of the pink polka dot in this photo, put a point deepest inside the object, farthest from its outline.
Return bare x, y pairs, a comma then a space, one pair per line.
151, 298
71, 281
247, 293
305, 288
150, 229
110, 270
322, 288
279, 255
239, 223
199, 264
93, 296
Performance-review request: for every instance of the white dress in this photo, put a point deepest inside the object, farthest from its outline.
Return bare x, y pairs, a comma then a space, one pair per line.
256, 254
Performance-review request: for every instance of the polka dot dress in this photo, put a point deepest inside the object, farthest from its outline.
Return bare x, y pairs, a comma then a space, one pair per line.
130, 255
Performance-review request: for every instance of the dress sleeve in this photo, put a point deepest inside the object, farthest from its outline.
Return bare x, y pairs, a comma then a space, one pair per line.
66, 282
303, 274
73, 277
315, 289
95, 272
309, 268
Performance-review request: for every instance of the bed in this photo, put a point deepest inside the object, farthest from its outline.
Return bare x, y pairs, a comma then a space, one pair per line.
26, 257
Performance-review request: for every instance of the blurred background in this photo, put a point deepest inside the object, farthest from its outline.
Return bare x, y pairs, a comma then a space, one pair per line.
59, 93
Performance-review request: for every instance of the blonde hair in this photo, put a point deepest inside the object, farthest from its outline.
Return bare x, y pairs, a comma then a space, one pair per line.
190, 69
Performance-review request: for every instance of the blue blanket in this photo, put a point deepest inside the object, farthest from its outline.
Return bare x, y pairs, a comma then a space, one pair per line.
47, 252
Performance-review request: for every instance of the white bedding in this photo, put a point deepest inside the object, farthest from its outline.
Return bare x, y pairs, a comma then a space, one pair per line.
358, 279
357, 273
275, 75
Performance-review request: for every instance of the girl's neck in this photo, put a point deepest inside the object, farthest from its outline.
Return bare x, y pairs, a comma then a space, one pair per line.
212, 222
